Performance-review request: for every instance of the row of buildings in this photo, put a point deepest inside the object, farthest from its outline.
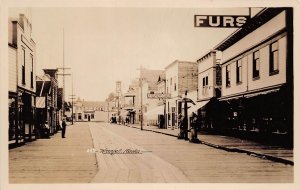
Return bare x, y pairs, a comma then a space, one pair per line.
242, 85
32, 100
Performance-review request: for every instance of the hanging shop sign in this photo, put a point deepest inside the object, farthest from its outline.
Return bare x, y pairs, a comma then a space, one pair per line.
220, 21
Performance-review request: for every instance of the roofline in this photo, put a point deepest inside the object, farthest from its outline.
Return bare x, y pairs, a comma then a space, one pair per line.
237, 30
251, 25
207, 53
178, 61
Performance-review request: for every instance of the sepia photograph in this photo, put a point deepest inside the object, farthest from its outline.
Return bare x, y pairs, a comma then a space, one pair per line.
149, 95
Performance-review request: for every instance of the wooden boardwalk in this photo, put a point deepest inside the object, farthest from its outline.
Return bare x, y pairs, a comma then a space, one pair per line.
55, 160
235, 143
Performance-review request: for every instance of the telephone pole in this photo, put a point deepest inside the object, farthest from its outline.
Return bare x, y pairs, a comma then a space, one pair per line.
118, 90
72, 97
63, 74
141, 88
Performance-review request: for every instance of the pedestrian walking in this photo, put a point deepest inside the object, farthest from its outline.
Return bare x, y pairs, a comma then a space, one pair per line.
64, 125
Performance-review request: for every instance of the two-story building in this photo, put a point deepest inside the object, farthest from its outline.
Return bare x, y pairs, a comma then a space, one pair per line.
257, 74
209, 88
137, 94
181, 77
130, 102
46, 100
22, 84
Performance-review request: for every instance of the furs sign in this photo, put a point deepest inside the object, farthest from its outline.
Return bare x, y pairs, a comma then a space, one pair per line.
219, 21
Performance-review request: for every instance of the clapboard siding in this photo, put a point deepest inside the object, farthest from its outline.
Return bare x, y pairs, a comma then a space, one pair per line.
12, 69
29, 47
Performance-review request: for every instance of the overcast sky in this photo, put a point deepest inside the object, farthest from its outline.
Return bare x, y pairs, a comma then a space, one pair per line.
103, 45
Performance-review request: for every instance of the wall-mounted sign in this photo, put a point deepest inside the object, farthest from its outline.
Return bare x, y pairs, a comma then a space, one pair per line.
158, 96
220, 21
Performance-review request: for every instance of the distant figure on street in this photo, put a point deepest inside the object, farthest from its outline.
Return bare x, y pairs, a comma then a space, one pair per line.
127, 120
194, 128
161, 122
63, 131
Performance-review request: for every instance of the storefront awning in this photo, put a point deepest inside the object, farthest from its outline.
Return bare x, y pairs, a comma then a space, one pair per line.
153, 113
262, 93
249, 95
198, 105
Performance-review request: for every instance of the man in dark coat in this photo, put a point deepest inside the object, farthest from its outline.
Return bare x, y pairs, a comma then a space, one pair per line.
194, 128
63, 131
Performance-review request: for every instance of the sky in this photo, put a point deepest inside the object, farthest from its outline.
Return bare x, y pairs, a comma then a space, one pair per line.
102, 45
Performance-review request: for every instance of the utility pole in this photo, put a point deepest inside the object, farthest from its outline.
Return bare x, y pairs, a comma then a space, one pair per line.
63, 74
141, 88
118, 90
72, 98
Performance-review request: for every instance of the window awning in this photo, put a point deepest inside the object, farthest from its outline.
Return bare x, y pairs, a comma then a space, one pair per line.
198, 105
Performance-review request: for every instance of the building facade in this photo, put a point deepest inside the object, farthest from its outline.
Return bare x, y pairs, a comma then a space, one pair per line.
46, 100
89, 110
22, 85
257, 75
209, 88
157, 113
181, 77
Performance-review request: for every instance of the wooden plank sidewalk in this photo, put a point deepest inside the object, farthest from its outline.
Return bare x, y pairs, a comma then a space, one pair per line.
55, 160
234, 143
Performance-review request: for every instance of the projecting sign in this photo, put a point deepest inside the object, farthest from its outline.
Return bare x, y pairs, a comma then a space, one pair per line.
158, 95
220, 21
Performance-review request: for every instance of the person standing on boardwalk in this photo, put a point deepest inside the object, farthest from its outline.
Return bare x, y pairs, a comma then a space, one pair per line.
63, 131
